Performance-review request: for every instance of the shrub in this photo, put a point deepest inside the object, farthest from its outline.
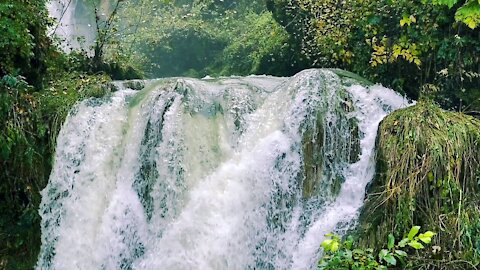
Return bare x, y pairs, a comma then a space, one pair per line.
344, 255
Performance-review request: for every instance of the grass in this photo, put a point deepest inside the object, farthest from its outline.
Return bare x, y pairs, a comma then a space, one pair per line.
428, 174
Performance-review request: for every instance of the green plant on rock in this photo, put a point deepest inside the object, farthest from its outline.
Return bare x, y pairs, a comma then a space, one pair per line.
434, 183
344, 255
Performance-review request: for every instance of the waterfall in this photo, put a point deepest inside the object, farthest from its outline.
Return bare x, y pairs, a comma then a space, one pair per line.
75, 24
229, 173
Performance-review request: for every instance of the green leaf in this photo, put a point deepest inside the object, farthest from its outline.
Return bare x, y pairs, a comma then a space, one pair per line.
404, 242
426, 237
413, 232
391, 241
429, 234
326, 244
416, 245
347, 254
449, 3
335, 246
382, 253
425, 240
404, 20
330, 245
430, 176
349, 242
469, 14
390, 259
401, 253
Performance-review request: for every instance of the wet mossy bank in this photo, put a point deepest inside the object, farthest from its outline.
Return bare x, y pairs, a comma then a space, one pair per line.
428, 174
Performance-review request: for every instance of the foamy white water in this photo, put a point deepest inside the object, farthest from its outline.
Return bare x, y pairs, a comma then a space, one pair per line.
235, 173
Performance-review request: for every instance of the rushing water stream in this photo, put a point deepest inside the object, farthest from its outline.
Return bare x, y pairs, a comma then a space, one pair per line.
231, 173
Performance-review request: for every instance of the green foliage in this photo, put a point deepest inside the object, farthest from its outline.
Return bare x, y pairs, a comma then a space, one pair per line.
24, 47
344, 255
28, 130
433, 183
255, 50
197, 38
415, 47
38, 86
30, 121
468, 13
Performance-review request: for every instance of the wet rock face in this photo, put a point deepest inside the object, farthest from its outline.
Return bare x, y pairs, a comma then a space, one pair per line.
135, 84
325, 150
122, 85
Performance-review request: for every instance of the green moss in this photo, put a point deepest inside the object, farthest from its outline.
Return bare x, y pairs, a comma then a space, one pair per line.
355, 78
138, 98
319, 157
313, 157
428, 163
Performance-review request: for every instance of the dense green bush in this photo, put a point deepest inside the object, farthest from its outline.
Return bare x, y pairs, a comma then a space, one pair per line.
28, 130
417, 47
201, 37
345, 255
261, 49
38, 86
24, 46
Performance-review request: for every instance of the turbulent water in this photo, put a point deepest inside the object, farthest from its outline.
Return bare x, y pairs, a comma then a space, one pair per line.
231, 173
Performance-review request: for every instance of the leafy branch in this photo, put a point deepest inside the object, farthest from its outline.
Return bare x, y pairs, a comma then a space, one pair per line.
468, 13
343, 255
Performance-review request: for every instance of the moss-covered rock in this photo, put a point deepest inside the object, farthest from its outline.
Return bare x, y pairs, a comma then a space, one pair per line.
428, 174
324, 151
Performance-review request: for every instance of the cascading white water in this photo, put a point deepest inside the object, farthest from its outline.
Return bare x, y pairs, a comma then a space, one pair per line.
75, 23
233, 173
